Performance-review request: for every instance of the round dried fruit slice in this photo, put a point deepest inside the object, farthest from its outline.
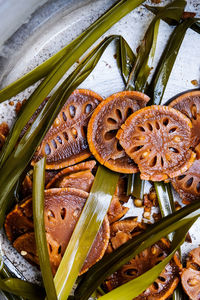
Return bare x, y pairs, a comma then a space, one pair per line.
63, 207
158, 139
188, 184
189, 105
190, 276
104, 124
77, 176
163, 286
65, 143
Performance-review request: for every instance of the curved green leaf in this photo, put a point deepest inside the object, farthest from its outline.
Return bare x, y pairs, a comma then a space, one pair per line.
39, 228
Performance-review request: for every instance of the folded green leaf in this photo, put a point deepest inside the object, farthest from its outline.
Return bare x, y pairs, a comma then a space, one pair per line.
86, 229
159, 81
112, 262
165, 198
144, 59
23, 152
136, 186
22, 288
135, 287
125, 59
171, 21
39, 228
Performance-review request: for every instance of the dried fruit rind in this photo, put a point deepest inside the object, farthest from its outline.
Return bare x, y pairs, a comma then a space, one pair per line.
189, 104
158, 139
188, 184
165, 284
190, 276
104, 124
63, 207
65, 143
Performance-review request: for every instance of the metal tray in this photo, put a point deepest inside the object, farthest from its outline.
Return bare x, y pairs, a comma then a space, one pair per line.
54, 25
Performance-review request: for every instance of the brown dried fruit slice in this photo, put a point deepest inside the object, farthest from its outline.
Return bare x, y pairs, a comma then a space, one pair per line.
189, 105
163, 286
65, 143
19, 220
158, 139
190, 276
188, 184
104, 124
63, 207
77, 176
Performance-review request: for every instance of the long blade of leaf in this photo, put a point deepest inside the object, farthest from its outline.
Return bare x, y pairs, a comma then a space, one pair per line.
113, 15
112, 262
25, 149
42, 91
159, 82
22, 288
86, 230
125, 59
135, 287
39, 228
143, 63
171, 21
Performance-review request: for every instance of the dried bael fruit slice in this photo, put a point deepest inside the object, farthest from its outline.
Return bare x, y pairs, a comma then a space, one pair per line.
104, 124
188, 184
65, 143
78, 176
189, 105
158, 139
63, 207
163, 286
190, 276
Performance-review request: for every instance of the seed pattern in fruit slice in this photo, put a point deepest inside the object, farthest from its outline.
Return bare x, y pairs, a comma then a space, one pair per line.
189, 105
63, 207
104, 124
188, 184
163, 286
66, 143
190, 276
158, 139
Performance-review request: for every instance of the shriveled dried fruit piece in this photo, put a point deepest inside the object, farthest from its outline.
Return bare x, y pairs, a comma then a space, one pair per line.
116, 210
188, 184
104, 124
122, 231
63, 207
158, 139
189, 105
4, 131
78, 176
163, 286
65, 143
19, 220
190, 276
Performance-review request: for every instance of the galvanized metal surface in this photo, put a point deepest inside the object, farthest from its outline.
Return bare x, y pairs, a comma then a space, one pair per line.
56, 24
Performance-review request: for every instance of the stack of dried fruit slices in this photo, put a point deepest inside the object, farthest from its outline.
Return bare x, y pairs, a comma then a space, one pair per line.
162, 142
